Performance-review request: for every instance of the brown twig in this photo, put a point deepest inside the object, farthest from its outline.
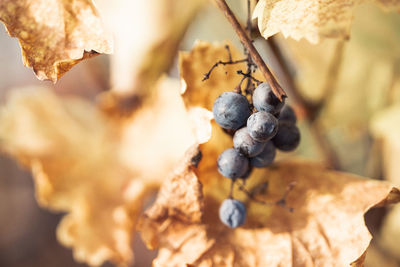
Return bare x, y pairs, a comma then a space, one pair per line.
231, 189
312, 109
332, 79
250, 63
248, 75
295, 94
281, 202
325, 146
220, 62
229, 52
238, 88
259, 189
276, 88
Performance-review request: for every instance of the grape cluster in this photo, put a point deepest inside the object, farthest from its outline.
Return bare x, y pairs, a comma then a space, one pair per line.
256, 137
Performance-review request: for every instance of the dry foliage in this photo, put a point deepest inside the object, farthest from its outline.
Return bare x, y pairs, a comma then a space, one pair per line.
70, 147
326, 228
95, 168
55, 35
98, 168
310, 19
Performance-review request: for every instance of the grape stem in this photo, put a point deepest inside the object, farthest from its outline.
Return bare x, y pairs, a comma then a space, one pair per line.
231, 189
281, 202
247, 75
220, 62
276, 88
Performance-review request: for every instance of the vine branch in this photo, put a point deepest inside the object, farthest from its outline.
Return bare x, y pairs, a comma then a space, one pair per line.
250, 63
312, 109
276, 88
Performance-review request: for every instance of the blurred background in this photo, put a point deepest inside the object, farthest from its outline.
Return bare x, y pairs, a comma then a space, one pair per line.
346, 94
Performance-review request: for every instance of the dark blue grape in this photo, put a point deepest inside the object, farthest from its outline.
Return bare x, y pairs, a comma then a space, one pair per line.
231, 110
232, 164
265, 158
232, 213
245, 144
265, 100
262, 126
288, 137
287, 115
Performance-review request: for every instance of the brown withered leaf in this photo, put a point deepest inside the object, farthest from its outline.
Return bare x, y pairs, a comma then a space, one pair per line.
95, 168
194, 64
55, 35
326, 228
310, 19
72, 152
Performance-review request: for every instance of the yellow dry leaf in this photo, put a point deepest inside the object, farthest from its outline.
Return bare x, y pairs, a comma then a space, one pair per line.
310, 19
194, 64
71, 148
326, 228
55, 34
95, 168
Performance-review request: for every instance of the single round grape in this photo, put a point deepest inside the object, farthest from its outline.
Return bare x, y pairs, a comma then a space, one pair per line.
245, 144
232, 212
265, 158
231, 110
287, 115
287, 138
262, 126
232, 164
265, 100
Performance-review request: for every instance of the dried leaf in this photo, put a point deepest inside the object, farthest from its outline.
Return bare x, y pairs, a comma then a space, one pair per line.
194, 64
70, 147
55, 35
95, 168
309, 19
326, 228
